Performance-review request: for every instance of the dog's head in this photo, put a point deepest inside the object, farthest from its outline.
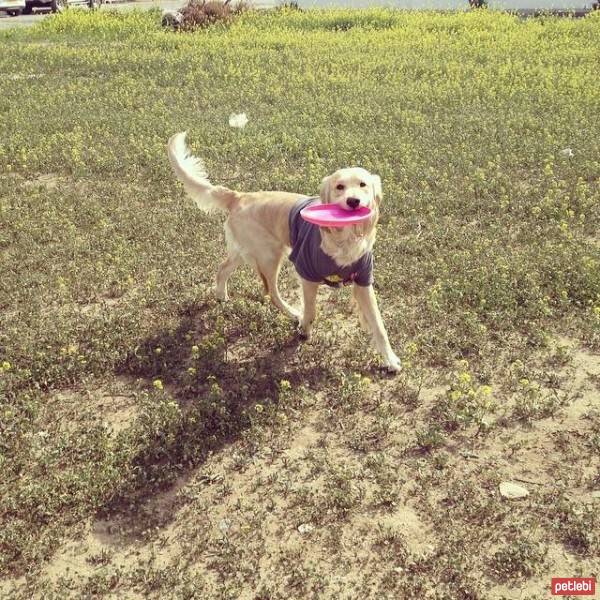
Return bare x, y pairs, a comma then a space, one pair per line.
351, 188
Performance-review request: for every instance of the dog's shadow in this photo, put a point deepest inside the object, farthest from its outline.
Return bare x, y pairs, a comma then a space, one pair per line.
222, 381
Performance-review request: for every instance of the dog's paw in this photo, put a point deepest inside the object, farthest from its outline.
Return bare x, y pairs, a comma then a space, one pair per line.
305, 334
393, 364
221, 295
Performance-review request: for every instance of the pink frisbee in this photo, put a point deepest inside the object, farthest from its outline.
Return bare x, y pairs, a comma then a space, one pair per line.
332, 215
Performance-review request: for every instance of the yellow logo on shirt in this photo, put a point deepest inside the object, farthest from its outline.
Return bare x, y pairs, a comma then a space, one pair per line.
334, 278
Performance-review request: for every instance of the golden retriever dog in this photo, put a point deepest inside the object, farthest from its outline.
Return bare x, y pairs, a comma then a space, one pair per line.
263, 227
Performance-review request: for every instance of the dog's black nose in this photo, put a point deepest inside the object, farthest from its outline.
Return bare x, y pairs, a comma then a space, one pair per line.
352, 202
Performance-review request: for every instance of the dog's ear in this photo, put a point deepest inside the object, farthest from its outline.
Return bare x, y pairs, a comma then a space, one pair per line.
377, 191
325, 190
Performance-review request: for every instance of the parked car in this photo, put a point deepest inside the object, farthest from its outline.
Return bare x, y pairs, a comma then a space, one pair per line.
12, 7
16, 7
57, 5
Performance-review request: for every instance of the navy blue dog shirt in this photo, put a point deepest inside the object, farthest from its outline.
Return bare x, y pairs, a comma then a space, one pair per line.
313, 264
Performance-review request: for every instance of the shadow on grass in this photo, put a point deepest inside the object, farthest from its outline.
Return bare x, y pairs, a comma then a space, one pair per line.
214, 374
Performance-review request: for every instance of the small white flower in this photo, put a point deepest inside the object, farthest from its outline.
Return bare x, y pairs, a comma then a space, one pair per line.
224, 525
305, 528
567, 152
238, 121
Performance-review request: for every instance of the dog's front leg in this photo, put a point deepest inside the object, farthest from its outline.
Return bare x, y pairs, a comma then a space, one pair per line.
367, 305
309, 300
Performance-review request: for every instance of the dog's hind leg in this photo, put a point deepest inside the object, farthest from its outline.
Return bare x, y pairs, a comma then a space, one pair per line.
227, 267
268, 269
234, 259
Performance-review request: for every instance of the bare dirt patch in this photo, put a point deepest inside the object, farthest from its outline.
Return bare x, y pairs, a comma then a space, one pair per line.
112, 403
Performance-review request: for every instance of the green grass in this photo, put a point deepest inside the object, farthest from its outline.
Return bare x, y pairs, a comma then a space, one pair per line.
123, 380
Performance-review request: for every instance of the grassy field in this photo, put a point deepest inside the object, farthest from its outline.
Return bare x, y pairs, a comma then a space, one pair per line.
156, 443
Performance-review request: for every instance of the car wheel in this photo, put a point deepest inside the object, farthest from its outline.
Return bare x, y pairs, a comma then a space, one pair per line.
58, 6
13, 13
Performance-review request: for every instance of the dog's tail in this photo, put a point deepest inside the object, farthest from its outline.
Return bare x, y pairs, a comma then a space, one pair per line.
191, 171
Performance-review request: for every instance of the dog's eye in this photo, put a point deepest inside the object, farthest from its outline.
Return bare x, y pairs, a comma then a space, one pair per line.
362, 184
339, 186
